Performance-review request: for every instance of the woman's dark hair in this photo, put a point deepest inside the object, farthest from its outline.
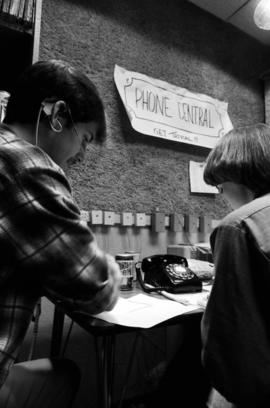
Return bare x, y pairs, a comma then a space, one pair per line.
54, 80
242, 156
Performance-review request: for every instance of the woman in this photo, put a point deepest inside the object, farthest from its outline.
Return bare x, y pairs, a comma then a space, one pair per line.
236, 322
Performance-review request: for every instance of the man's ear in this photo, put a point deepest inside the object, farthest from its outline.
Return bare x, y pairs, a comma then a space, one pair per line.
58, 109
56, 116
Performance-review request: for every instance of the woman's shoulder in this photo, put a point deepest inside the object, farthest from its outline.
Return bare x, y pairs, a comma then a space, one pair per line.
252, 218
259, 207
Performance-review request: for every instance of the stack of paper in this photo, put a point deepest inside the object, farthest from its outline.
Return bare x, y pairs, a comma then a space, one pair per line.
144, 311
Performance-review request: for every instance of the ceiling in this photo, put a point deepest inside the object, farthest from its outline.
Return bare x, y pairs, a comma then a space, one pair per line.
238, 13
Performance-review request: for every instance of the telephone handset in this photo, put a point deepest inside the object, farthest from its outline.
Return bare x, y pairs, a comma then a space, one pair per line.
167, 272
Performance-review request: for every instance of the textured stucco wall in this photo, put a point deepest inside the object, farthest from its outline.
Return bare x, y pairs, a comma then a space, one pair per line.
172, 41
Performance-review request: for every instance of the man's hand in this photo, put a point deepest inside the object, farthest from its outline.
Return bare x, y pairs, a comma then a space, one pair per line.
115, 277
106, 298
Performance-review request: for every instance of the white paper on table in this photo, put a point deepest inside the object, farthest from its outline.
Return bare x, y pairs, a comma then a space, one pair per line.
198, 299
144, 311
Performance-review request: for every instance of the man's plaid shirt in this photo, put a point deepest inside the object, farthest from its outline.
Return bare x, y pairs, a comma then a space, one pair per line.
44, 246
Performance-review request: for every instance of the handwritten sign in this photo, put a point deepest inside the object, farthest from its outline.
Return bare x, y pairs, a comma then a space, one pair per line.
160, 109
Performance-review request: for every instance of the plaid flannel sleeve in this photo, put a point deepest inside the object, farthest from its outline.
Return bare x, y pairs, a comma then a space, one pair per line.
44, 240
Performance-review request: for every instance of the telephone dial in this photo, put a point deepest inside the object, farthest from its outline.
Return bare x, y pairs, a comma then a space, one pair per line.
167, 272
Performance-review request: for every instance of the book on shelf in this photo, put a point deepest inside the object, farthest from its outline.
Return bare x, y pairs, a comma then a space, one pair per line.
14, 8
4, 96
29, 11
5, 6
19, 12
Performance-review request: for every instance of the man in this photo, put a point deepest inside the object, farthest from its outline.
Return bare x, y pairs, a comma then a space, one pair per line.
53, 112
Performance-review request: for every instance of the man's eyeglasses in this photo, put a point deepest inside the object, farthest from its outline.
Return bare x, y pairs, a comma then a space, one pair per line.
72, 121
89, 139
220, 188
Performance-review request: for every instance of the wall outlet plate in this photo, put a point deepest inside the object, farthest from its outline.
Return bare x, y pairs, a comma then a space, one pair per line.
158, 222
108, 218
191, 223
140, 219
96, 217
127, 218
205, 224
176, 222
85, 216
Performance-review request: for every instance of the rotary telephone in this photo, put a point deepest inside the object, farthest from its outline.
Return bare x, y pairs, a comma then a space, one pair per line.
167, 272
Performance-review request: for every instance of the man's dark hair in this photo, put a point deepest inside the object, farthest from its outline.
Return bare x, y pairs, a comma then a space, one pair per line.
54, 80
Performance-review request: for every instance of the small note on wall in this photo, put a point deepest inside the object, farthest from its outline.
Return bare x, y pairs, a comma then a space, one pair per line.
197, 183
159, 109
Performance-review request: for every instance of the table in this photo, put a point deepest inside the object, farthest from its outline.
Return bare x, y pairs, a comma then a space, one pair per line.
107, 333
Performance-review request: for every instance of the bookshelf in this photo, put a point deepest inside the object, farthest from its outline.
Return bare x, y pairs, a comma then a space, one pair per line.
19, 38
18, 14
